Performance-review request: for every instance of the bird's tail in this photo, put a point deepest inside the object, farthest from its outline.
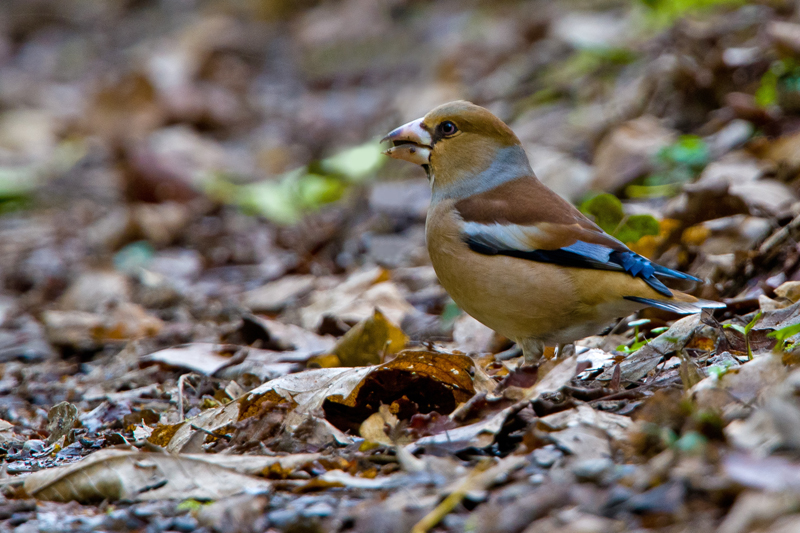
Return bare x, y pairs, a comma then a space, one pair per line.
681, 303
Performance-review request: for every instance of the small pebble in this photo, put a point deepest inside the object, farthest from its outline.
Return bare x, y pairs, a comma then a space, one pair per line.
34, 445
593, 470
184, 524
546, 456
320, 509
536, 479
283, 517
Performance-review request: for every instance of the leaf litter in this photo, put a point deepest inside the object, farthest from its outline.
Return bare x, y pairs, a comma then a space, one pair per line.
217, 310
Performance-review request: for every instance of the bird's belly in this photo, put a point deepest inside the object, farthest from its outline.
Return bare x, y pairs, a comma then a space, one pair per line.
515, 297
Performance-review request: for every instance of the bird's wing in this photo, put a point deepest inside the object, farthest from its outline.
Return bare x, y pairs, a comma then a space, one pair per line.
525, 219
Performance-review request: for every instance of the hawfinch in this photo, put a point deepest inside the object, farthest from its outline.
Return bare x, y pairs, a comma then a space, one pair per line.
511, 252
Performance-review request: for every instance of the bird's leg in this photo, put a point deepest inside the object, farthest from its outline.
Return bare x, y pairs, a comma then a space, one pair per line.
532, 350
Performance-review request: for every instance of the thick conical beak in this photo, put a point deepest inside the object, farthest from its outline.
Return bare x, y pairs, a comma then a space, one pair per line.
410, 142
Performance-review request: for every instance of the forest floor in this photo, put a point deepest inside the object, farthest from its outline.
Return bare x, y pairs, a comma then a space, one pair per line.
217, 312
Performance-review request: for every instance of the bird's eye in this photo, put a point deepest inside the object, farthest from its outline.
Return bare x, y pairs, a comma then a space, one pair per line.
447, 128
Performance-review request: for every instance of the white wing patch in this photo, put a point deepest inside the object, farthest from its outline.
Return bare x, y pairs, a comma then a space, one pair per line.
516, 237
509, 237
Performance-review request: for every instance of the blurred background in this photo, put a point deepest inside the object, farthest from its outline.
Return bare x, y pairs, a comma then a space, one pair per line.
193, 202
179, 154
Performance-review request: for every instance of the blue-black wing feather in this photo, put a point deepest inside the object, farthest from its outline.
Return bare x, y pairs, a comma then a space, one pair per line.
587, 255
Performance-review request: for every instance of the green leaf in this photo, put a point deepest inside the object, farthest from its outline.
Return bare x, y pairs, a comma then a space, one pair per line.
767, 92
652, 191
735, 327
17, 185
192, 505
786, 333
668, 437
314, 190
606, 210
752, 323
689, 151
637, 226
274, 200
355, 163
286, 198
782, 77
720, 369
662, 13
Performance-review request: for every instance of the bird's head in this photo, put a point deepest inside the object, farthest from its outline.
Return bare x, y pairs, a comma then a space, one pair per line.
463, 147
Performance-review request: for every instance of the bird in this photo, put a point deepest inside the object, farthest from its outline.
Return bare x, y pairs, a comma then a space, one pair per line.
511, 252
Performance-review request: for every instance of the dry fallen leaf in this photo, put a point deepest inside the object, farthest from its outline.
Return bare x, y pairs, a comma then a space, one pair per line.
742, 385
201, 357
478, 435
85, 331
373, 429
370, 340
638, 364
60, 420
124, 474
6, 431
355, 299
277, 295
347, 396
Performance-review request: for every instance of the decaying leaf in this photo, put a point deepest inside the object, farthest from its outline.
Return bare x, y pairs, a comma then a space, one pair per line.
742, 385
472, 336
752, 511
369, 340
373, 429
87, 331
554, 376
244, 512
60, 420
6, 431
640, 363
479, 435
691, 375
200, 357
122, 474
356, 299
275, 296
416, 381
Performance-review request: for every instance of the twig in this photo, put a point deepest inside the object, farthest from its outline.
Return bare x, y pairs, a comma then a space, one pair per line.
180, 396
615, 378
430, 520
774, 242
238, 357
211, 433
632, 394
180, 393
384, 351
